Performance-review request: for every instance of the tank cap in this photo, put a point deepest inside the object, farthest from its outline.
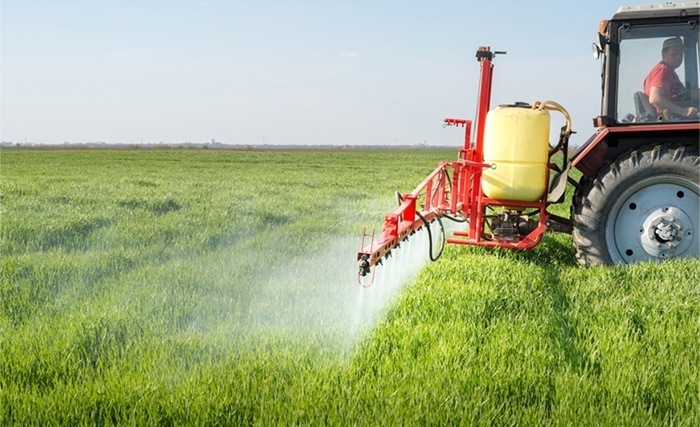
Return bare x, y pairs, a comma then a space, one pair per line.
517, 104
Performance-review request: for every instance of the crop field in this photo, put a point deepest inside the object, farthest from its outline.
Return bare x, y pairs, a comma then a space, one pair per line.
218, 288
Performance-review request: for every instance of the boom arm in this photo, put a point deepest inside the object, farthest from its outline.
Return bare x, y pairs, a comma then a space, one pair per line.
406, 219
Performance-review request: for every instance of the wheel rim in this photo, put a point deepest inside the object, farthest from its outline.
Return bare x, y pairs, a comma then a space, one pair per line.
655, 219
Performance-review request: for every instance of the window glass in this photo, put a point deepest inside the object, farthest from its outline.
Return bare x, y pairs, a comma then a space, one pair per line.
640, 51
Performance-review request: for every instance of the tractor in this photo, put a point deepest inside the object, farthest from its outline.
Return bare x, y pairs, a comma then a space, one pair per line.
638, 198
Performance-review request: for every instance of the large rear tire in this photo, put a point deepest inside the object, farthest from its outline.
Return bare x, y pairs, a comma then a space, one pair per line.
643, 206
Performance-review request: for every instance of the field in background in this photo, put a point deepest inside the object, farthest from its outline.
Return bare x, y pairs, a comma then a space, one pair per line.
199, 287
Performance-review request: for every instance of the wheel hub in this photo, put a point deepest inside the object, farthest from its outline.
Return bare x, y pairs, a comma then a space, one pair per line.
664, 232
654, 219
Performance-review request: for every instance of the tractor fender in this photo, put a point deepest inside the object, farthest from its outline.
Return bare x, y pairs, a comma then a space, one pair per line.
593, 154
610, 141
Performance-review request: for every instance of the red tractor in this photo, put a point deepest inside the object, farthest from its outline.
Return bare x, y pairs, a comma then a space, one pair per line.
639, 195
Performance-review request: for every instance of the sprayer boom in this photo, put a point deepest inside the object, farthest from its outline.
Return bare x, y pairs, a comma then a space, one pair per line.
502, 201
407, 218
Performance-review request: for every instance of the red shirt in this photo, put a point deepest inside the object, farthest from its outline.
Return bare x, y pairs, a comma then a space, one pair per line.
664, 77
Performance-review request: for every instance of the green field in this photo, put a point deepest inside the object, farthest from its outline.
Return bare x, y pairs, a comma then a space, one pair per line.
212, 287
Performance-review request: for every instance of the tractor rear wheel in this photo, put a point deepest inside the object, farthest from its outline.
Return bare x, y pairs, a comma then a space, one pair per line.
643, 206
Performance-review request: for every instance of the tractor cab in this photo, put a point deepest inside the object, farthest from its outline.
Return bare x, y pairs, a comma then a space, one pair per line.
632, 43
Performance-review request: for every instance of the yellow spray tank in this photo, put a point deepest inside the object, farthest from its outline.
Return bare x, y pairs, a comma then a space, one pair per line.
516, 144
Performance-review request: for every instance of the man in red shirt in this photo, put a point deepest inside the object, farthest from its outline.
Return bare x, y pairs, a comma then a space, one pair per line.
662, 85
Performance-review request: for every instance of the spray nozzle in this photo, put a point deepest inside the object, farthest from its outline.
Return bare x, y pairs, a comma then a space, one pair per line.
364, 265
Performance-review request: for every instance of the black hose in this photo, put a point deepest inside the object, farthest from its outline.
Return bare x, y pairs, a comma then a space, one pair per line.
430, 237
443, 171
454, 219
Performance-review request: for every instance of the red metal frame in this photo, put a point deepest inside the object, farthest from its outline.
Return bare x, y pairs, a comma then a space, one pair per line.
464, 197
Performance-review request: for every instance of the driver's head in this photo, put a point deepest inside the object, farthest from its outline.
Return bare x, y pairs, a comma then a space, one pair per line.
672, 52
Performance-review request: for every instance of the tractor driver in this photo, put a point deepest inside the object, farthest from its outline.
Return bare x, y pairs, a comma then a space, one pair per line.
662, 85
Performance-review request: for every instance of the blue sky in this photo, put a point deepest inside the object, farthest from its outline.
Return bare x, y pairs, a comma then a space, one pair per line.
285, 72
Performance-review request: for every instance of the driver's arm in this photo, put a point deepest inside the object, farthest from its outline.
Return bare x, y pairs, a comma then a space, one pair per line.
657, 99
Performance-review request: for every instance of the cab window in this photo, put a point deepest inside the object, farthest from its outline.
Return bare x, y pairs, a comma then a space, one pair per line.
640, 51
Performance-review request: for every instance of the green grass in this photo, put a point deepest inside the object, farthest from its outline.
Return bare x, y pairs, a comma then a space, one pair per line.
200, 287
